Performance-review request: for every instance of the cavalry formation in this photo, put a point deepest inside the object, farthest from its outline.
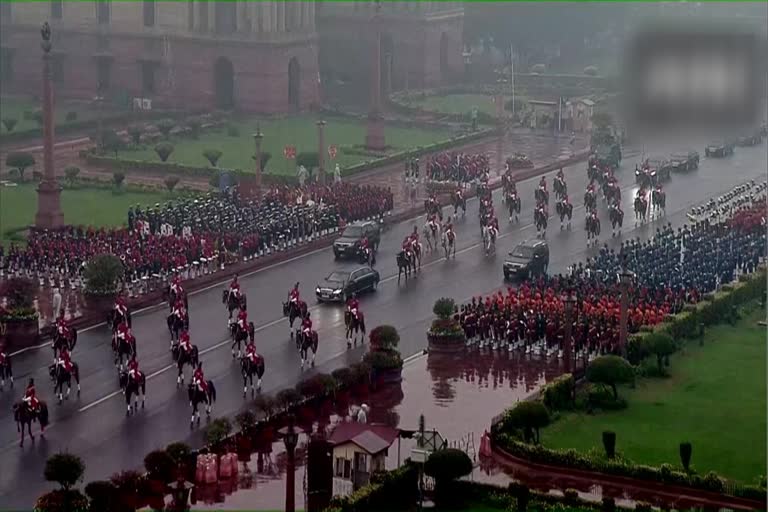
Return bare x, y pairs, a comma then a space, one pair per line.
531, 320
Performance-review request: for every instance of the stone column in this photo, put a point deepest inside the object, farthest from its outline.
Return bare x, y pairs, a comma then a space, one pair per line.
321, 149
257, 137
374, 138
49, 214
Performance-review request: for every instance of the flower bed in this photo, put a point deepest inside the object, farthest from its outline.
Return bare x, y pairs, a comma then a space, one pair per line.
446, 333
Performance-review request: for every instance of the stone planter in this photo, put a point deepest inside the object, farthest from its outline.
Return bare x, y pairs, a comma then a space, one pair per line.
21, 333
444, 342
388, 375
99, 304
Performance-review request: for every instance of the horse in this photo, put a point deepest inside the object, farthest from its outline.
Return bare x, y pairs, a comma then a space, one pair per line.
233, 302
133, 388
305, 343
6, 372
459, 201
431, 234
404, 265
513, 204
60, 376
489, 239
659, 201
248, 369
612, 192
182, 357
294, 310
170, 296
616, 216
560, 187
123, 348
24, 416
197, 397
592, 226
540, 219
564, 210
115, 318
449, 244
433, 207
356, 324
641, 208
60, 342
240, 335
176, 325
541, 195
590, 200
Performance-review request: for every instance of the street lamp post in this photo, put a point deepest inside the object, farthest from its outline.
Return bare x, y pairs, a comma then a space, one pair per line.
321, 152
290, 435
569, 354
49, 214
257, 138
625, 278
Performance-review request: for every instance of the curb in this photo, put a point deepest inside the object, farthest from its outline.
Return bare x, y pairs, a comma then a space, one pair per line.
155, 298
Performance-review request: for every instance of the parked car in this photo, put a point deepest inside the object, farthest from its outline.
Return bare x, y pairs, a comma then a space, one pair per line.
341, 284
684, 161
718, 149
529, 259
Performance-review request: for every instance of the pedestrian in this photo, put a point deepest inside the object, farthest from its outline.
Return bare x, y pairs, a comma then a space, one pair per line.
56, 302
337, 174
302, 175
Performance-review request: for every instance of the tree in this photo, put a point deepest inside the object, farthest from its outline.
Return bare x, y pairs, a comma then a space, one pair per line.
685, 455
160, 465
135, 132
384, 337
265, 157
20, 161
165, 126
287, 398
10, 123
102, 274
118, 178
661, 345
529, 416
164, 150
610, 371
444, 308
71, 172
212, 155
218, 430
609, 443
111, 141
179, 452
308, 159
171, 182
602, 120
101, 493
445, 466
65, 469
19, 292
194, 127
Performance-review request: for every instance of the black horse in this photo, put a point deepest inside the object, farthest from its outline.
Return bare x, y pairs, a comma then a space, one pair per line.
540, 219
561, 188
25, 416
513, 205
60, 341
240, 335
541, 195
305, 343
459, 201
6, 372
590, 200
197, 397
60, 376
404, 265
133, 388
592, 227
659, 200
123, 348
294, 310
616, 216
176, 325
182, 357
170, 297
233, 302
115, 318
248, 369
641, 209
564, 210
355, 324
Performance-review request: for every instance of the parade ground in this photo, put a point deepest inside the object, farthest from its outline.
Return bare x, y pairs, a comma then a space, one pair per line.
713, 398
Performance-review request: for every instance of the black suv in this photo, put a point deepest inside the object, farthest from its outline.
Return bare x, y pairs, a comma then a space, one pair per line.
528, 259
349, 242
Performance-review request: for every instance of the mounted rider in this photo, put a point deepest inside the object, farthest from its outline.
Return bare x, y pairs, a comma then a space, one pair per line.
242, 320
293, 295
184, 343
133, 370
121, 306
234, 289
30, 397
365, 247
353, 305
543, 183
306, 325
179, 310
176, 289
250, 352
62, 326
64, 361
198, 379
123, 332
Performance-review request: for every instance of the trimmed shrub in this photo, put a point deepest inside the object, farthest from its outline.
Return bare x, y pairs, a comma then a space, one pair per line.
171, 182
194, 127
179, 452
102, 274
661, 345
444, 308
529, 416
70, 500
10, 123
101, 494
164, 150
217, 431
212, 155
265, 404
135, 133
609, 443
384, 359
558, 394
65, 469
165, 126
246, 420
118, 178
571, 496
20, 161
287, 398
713, 482
19, 292
111, 141
308, 159
445, 466
160, 465
685, 455
384, 337
610, 371
71, 172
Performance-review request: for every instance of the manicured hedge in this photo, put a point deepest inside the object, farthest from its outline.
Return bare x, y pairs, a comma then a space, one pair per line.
391, 490
558, 394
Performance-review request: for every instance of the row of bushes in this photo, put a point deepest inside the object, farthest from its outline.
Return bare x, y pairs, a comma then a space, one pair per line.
623, 467
390, 490
271, 179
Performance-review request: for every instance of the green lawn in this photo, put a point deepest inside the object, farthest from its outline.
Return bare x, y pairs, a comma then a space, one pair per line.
87, 206
300, 132
715, 399
14, 108
459, 103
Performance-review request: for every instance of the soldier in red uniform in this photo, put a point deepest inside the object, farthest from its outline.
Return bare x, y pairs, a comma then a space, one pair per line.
198, 379
30, 397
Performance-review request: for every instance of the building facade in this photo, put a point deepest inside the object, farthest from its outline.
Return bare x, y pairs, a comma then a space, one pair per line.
251, 56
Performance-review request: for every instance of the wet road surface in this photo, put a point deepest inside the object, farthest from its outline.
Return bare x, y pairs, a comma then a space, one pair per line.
94, 425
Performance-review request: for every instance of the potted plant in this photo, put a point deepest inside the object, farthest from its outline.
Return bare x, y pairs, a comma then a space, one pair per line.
160, 470
361, 378
127, 486
384, 358
102, 274
246, 420
20, 317
216, 435
182, 457
446, 333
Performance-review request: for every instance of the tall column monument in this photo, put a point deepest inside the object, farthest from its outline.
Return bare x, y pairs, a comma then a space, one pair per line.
49, 213
374, 137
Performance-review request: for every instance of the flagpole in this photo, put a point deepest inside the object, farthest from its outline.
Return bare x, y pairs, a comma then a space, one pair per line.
512, 76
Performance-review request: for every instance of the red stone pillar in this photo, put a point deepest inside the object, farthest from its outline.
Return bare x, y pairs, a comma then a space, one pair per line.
374, 138
49, 213
321, 149
257, 137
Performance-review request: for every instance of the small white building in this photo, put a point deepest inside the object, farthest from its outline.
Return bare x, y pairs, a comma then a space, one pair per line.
359, 449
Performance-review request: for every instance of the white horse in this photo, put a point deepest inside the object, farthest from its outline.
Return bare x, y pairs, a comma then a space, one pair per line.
489, 239
432, 234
